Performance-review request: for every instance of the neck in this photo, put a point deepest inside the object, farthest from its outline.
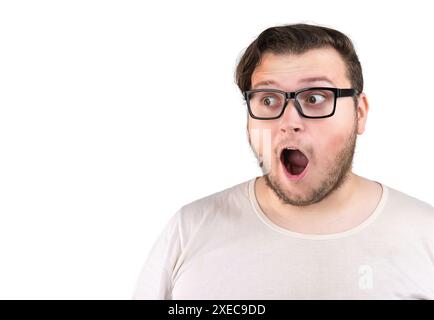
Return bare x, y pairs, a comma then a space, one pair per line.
320, 217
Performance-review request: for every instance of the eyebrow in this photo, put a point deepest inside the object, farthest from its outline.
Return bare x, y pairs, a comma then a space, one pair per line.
305, 80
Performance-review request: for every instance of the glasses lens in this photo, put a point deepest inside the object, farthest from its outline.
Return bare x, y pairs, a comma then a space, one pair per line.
316, 102
266, 104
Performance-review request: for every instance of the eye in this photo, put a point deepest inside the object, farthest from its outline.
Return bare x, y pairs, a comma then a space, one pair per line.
315, 98
271, 101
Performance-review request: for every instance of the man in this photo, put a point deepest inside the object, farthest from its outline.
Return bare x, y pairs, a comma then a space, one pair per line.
309, 228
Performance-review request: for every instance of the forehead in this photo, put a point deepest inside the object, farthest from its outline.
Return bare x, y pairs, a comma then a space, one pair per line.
290, 70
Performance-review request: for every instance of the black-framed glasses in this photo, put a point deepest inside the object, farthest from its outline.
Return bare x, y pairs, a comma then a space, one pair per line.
312, 102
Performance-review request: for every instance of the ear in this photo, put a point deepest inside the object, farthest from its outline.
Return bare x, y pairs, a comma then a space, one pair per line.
362, 112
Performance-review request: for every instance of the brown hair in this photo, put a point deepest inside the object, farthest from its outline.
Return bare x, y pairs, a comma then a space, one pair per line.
297, 39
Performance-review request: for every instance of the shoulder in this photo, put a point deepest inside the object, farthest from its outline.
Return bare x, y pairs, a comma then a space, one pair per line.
213, 208
223, 200
403, 202
410, 213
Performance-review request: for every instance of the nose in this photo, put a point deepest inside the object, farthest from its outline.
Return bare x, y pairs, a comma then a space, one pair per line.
291, 120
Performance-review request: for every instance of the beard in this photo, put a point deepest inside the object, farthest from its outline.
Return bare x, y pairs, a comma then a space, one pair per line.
334, 177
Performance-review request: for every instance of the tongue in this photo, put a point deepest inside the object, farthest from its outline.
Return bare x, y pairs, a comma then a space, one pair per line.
297, 158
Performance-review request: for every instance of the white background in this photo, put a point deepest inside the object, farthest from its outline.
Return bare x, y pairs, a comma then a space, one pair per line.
113, 114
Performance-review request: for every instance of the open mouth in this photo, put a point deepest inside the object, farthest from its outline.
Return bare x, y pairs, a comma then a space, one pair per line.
294, 161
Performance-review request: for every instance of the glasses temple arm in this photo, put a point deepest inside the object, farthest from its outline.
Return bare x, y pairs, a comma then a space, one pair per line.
347, 92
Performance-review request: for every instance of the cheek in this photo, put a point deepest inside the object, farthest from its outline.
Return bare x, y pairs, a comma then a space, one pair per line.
331, 142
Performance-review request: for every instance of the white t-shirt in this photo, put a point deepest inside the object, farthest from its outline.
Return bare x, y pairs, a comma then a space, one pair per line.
224, 247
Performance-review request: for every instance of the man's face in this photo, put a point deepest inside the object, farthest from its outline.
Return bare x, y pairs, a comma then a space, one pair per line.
328, 143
